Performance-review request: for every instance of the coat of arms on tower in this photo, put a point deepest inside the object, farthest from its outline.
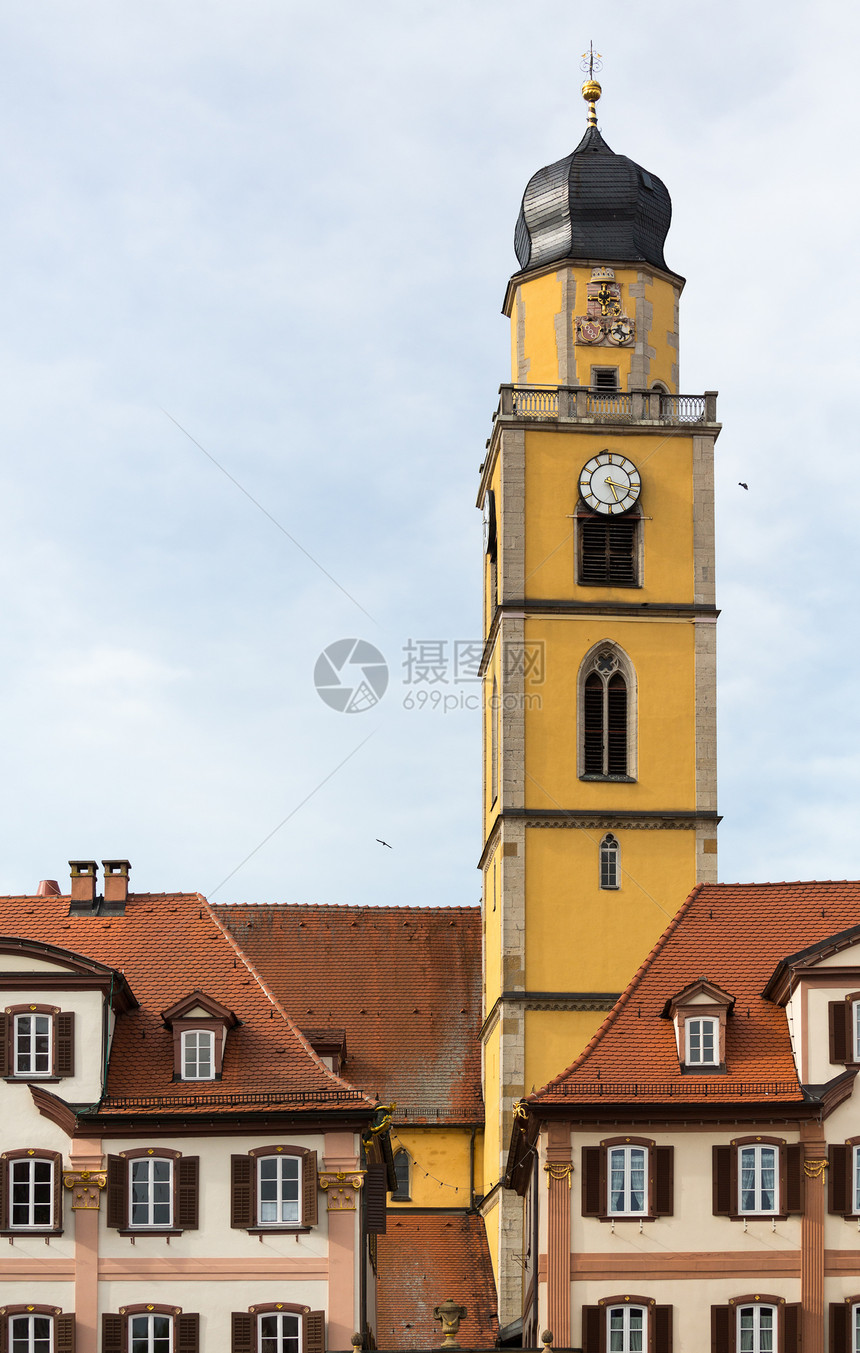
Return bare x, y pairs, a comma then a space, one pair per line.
606, 322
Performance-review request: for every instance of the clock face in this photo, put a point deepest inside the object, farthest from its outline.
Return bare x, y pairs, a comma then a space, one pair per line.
609, 483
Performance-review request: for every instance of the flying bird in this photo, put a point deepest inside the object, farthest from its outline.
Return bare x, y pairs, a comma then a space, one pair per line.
741, 485
384, 843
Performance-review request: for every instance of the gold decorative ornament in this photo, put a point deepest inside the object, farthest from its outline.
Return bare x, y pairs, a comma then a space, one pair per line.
520, 1110
814, 1169
340, 1188
555, 1170
86, 1186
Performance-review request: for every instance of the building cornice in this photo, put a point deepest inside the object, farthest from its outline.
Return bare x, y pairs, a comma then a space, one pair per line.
629, 265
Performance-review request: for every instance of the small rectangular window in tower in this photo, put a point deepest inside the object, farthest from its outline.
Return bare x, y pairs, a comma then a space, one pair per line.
604, 378
608, 551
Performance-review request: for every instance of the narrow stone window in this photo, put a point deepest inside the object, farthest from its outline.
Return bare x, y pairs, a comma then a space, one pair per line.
609, 869
606, 716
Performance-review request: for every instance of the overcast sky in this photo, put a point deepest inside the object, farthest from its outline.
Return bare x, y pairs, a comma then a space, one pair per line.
289, 228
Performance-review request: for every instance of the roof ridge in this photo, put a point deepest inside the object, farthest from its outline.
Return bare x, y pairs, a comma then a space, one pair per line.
600, 1033
297, 1033
347, 906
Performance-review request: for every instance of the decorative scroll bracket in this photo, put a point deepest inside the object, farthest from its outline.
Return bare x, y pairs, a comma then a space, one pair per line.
340, 1187
86, 1186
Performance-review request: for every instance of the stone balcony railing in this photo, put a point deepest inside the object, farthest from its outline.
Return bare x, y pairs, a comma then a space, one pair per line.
583, 404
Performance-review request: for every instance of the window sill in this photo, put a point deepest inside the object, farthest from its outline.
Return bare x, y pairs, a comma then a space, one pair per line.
22, 1232
760, 1216
627, 1216
146, 1231
610, 779
278, 1230
714, 1069
32, 1080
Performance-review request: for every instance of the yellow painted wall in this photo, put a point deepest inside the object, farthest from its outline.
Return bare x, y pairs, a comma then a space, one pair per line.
491, 1221
540, 299
439, 1175
492, 1139
582, 938
492, 930
554, 1039
554, 460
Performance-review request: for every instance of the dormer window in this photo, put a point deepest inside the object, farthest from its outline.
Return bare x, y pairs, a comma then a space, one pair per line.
199, 1024
198, 1055
37, 1042
703, 1041
699, 1014
33, 1039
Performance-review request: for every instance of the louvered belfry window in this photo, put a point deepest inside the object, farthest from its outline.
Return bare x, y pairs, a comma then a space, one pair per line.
607, 551
605, 719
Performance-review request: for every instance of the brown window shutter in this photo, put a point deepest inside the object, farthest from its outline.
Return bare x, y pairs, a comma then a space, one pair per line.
375, 1186
839, 1198
244, 1333
4, 1334
593, 1322
187, 1192
117, 1195
5, 1059
313, 1332
791, 1327
4, 1195
725, 1204
593, 725
593, 1192
661, 1326
113, 1334
616, 719
64, 1044
793, 1172
58, 1192
64, 1334
187, 1333
840, 1031
243, 1183
664, 1181
723, 1328
310, 1207
840, 1327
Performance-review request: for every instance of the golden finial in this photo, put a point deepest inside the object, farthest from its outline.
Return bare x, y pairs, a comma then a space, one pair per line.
592, 62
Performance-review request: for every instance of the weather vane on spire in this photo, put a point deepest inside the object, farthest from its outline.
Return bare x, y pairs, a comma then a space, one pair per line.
591, 64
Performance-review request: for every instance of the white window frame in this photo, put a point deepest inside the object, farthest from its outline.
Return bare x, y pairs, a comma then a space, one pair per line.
280, 1317
757, 1309
194, 1060
29, 1163
689, 1059
855, 1185
150, 1333
626, 1346
279, 1176
31, 1320
855, 1029
758, 1154
29, 1071
627, 1153
855, 1327
610, 857
150, 1203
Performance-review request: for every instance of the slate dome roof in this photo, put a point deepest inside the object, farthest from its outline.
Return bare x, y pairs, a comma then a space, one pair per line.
593, 204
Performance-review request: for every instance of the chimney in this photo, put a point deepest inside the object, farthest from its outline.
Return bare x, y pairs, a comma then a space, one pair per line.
48, 888
83, 880
116, 881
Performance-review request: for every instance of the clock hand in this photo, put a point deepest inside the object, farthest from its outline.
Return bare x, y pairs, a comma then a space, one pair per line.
613, 488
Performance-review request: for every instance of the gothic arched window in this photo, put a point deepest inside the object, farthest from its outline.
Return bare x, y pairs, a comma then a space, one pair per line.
607, 715
610, 872
401, 1171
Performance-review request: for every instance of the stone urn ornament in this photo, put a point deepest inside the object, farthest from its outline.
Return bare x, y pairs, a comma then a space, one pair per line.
450, 1315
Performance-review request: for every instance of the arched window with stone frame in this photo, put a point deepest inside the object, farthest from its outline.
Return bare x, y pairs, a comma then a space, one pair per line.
606, 714
610, 864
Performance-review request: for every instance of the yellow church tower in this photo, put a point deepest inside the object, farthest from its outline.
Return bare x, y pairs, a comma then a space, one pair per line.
599, 796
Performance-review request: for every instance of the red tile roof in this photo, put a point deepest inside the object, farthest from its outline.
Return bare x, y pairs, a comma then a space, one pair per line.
424, 1259
166, 945
404, 982
732, 935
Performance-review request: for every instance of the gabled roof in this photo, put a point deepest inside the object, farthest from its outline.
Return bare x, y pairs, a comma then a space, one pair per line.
72, 970
403, 982
165, 945
180, 1008
736, 933
715, 994
779, 986
424, 1258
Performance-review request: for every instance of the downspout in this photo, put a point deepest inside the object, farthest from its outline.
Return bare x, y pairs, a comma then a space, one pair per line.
535, 1241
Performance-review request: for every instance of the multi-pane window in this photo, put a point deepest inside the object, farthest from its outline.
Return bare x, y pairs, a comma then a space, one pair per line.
150, 1334
758, 1180
756, 1329
627, 1176
279, 1190
32, 1192
33, 1045
609, 870
855, 1185
151, 1201
401, 1173
703, 1042
198, 1061
31, 1334
855, 1027
280, 1332
626, 1329
605, 718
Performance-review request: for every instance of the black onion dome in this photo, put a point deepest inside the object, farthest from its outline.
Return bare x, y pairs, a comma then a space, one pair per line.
593, 204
